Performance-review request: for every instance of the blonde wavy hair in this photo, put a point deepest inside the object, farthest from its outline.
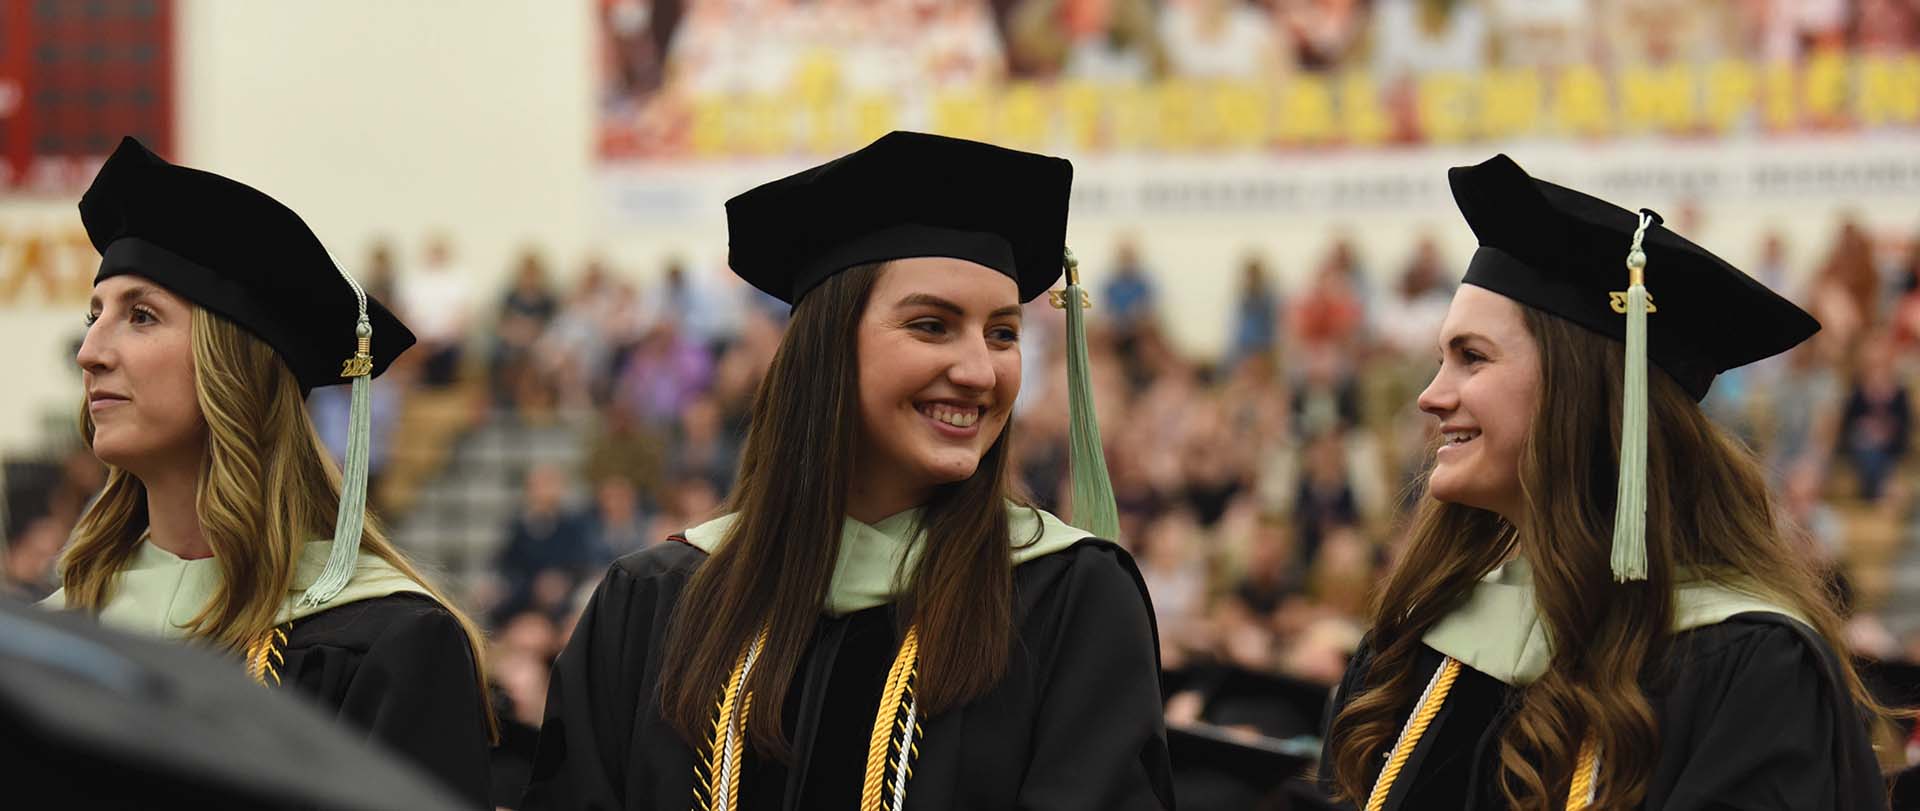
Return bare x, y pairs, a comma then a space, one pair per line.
266, 487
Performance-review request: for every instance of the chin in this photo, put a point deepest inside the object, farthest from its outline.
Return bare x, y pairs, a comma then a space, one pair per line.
948, 471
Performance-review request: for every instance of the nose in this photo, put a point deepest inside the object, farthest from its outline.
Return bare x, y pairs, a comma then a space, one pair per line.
95, 354
1439, 398
972, 368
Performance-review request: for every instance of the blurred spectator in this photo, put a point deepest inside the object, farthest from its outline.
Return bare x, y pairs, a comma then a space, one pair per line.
548, 550
1886, 26
1318, 35
664, 374
1175, 571
34, 532
625, 449
1256, 313
1217, 39
703, 313
1771, 270
1325, 399
1408, 321
378, 278
1332, 310
701, 447
1110, 40
1325, 501
1846, 289
617, 525
1256, 614
1906, 308
576, 348
1877, 419
1798, 27
437, 297
1130, 298
1425, 36
689, 503
1543, 33
524, 312
1804, 404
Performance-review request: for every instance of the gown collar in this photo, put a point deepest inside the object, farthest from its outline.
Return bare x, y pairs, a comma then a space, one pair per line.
1498, 629
876, 559
159, 594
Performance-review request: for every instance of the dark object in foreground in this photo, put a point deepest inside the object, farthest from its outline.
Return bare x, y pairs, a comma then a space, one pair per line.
98, 719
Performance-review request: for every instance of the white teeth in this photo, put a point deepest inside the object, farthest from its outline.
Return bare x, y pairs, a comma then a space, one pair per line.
1457, 437
956, 417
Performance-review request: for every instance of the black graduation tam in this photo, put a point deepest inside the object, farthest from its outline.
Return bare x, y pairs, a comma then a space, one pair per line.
1214, 767
908, 194
1562, 252
99, 719
230, 248
1278, 706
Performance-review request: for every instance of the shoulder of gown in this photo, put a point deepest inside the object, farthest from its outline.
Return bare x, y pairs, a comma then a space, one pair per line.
1755, 713
1099, 738
400, 668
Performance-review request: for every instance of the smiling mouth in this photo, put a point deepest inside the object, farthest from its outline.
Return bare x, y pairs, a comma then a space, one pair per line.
955, 416
1454, 439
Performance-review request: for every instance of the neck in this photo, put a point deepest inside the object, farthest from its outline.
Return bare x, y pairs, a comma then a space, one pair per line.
173, 521
872, 498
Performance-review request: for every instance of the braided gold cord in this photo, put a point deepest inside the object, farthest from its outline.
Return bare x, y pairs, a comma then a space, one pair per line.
1586, 770
1586, 775
882, 743
1416, 726
264, 657
714, 782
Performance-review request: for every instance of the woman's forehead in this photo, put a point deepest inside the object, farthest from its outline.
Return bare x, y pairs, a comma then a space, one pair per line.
127, 286
957, 280
1477, 311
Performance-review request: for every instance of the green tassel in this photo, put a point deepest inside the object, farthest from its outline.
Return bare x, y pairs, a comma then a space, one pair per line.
1094, 509
1630, 512
351, 520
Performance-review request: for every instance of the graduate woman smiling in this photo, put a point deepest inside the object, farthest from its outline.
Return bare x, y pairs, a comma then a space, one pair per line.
1597, 606
223, 519
877, 623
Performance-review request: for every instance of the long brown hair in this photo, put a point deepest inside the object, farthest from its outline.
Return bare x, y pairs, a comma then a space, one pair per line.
776, 562
266, 487
1708, 511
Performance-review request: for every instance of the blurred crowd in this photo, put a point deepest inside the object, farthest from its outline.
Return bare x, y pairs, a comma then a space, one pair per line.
745, 46
1258, 489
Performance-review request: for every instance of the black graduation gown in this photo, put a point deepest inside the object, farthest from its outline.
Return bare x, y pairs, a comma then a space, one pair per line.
1752, 713
1075, 724
399, 669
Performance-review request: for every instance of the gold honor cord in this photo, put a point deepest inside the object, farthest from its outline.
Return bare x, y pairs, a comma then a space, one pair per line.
890, 751
264, 657
1586, 772
717, 785
895, 726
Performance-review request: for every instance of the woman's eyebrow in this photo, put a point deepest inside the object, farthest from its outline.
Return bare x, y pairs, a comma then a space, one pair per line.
130, 294
936, 302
